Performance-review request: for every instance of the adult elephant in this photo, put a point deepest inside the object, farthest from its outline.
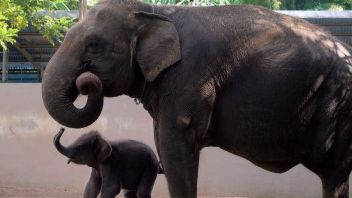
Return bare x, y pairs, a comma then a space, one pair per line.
262, 85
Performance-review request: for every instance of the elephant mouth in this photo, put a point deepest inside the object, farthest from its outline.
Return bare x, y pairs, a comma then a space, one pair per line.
108, 91
88, 82
75, 161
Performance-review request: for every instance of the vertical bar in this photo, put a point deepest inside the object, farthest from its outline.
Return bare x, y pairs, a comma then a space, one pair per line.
5, 61
82, 8
38, 71
80, 14
41, 71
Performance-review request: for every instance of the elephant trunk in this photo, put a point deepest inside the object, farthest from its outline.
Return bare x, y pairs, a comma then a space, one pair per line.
63, 150
62, 82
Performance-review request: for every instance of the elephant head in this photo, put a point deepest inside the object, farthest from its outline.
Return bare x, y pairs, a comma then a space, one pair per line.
89, 149
118, 45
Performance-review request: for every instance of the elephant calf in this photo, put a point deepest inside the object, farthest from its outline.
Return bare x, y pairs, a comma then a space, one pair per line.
127, 164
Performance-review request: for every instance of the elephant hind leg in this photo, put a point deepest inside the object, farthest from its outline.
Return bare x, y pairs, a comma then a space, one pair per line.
130, 193
335, 186
334, 172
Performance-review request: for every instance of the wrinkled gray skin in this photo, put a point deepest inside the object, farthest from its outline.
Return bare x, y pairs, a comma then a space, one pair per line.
127, 164
265, 86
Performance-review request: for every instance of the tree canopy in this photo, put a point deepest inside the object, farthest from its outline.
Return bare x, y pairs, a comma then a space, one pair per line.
16, 15
272, 4
303, 4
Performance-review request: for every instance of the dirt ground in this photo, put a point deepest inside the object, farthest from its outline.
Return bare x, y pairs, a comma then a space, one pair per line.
31, 167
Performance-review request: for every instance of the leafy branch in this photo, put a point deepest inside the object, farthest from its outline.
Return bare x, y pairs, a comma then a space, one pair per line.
17, 15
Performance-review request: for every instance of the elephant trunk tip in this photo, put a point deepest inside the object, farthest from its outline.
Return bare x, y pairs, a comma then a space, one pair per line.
58, 135
89, 83
62, 129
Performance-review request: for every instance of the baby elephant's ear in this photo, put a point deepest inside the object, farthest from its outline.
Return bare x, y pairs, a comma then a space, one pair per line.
103, 149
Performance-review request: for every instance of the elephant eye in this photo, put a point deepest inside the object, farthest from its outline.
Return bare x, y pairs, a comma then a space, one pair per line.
79, 149
94, 46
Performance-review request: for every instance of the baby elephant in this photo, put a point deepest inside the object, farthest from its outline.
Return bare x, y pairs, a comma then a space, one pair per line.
128, 164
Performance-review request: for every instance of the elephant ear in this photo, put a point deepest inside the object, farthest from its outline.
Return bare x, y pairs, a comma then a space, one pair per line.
103, 149
158, 45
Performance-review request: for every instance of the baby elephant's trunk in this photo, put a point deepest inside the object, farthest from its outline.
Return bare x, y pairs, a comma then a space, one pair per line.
63, 150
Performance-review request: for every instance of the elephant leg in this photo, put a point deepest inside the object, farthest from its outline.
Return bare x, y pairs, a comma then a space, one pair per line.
180, 161
130, 194
146, 184
335, 186
334, 170
335, 174
109, 190
156, 136
329, 154
93, 186
110, 183
183, 128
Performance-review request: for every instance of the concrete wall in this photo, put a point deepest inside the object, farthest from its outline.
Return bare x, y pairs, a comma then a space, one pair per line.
30, 164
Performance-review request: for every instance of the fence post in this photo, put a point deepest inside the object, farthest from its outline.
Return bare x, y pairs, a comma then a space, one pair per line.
41, 71
82, 8
5, 61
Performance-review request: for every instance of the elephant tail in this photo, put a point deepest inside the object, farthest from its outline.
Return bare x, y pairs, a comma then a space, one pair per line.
160, 169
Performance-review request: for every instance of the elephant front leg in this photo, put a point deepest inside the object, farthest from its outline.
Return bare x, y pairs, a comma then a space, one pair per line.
93, 186
110, 183
180, 161
110, 189
181, 135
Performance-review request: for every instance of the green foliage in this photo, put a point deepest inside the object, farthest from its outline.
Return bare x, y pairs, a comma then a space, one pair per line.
195, 2
272, 4
91, 2
316, 4
53, 29
7, 34
11, 20
16, 15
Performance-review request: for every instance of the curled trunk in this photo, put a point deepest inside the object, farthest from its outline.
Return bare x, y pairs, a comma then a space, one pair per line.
62, 82
63, 150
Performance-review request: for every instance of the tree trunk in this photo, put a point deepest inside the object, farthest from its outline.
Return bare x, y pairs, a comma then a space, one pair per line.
5, 61
82, 7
